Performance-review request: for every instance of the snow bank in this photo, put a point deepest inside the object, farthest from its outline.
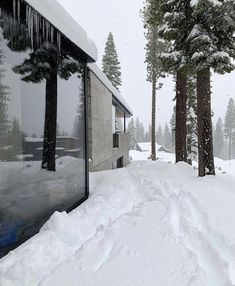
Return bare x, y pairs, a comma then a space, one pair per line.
152, 223
64, 234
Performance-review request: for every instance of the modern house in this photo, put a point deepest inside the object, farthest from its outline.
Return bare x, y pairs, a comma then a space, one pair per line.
109, 142
49, 88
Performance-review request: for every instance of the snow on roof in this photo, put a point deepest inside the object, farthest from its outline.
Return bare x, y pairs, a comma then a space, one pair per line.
116, 94
61, 19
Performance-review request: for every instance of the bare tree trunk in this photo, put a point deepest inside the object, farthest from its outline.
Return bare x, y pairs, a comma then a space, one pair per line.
49, 144
205, 137
153, 134
181, 117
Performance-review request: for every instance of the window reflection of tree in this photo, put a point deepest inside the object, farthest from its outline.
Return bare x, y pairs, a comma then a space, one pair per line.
4, 128
45, 63
79, 123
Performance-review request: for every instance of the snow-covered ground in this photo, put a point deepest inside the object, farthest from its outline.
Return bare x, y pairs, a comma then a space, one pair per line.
152, 223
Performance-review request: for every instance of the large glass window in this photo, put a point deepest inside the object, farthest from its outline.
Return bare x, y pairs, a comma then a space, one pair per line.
42, 124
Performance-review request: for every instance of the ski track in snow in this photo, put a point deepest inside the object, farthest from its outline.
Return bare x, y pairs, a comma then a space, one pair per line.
190, 226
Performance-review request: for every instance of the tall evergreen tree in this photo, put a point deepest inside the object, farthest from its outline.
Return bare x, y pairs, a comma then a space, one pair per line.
4, 92
202, 38
211, 46
79, 122
159, 135
132, 131
154, 48
110, 63
167, 137
47, 63
219, 138
175, 28
15, 139
139, 127
142, 132
229, 126
147, 136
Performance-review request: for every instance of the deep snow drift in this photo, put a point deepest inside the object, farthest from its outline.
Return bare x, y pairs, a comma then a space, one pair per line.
152, 223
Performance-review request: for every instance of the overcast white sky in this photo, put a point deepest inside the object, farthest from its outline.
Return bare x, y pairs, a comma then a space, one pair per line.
122, 18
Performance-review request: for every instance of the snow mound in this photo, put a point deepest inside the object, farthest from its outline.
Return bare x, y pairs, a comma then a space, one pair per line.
152, 223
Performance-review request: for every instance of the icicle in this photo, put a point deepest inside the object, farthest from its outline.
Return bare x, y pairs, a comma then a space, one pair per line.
14, 9
58, 36
27, 16
52, 34
47, 32
18, 10
38, 30
31, 28
43, 28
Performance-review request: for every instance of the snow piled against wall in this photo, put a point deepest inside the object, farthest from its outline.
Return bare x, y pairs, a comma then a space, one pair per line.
152, 223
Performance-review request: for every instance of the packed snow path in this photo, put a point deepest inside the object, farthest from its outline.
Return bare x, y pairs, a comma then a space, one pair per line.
152, 223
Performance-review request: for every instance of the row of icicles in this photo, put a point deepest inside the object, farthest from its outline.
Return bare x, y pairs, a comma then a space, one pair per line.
37, 27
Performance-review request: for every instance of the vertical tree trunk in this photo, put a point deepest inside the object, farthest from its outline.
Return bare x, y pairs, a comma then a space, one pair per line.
49, 144
153, 134
181, 117
205, 137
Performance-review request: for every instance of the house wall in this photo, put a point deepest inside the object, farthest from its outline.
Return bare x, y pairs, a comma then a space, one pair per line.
102, 154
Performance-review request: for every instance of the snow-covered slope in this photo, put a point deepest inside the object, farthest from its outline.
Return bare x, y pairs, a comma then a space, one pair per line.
152, 223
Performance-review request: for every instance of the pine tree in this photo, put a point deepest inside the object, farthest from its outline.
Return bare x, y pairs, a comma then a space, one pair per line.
132, 131
142, 132
175, 29
15, 139
167, 137
210, 46
192, 143
4, 91
219, 138
47, 63
229, 126
154, 48
201, 33
159, 136
110, 63
79, 122
147, 136
139, 127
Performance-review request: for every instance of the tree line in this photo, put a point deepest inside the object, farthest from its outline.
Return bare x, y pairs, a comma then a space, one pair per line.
138, 134
189, 40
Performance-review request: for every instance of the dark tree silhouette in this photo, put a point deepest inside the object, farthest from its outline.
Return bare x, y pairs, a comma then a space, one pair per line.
47, 63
